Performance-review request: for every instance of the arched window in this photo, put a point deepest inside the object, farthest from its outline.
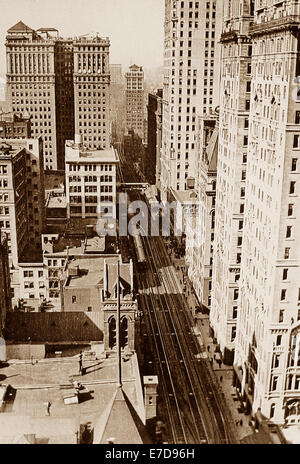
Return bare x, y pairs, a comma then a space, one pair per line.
272, 410
124, 332
112, 329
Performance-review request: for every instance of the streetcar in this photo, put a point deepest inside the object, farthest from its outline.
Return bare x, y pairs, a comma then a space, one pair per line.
140, 254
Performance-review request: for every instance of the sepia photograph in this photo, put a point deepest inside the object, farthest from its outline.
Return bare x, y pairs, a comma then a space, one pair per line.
149, 216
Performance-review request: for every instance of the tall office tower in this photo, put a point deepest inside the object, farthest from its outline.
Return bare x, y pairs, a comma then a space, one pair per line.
116, 76
135, 100
22, 197
191, 84
231, 179
154, 127
91, 91
91, 180
267, 361
64, 97
5, 292
117, 103
200, 233
39, 82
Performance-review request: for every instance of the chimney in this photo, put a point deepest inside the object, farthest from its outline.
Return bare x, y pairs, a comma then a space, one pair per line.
150, 394
78, 139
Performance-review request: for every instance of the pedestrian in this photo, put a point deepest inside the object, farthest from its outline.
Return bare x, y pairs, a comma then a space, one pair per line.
80, 362
48, 406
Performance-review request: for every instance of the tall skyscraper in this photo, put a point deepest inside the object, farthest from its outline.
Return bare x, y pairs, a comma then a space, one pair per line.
235, 90
63, 84
36, 71
191, 60
135, 100
91, 91
267, 353
152, 153
5, 292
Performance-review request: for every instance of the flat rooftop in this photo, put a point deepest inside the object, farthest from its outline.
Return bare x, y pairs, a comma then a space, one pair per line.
90, 271
80, 154
56, 202
51, 380
185, 196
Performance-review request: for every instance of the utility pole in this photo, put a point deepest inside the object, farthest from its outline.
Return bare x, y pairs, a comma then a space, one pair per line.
118, 327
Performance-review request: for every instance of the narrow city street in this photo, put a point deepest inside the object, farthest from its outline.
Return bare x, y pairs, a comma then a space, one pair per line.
195, 408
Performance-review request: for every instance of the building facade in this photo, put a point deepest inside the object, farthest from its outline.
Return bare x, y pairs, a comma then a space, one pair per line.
5, 292
200, 233
31, 83
235, 90
63, 84
191, 81
22, 195
135, 100
91, 180
267, 362
14, 126
154, 138
91, 91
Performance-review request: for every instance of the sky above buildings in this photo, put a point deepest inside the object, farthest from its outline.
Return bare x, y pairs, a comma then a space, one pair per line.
135, 27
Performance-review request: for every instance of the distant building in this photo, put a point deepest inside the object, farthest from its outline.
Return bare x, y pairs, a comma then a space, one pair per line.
154, 138
48, 94
135, 100
14, 126
91, 91
116, 76
68, 88
5, 291
91, 180
117, 103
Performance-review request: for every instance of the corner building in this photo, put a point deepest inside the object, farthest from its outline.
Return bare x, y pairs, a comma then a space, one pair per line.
231, 172
267, 361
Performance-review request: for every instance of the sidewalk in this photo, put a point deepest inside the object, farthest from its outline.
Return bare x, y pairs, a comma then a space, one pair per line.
223, 373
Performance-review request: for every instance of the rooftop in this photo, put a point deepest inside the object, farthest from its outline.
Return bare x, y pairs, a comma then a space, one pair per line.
56, 202
89, 272
187, 197
76, 152
7, 151
51, 380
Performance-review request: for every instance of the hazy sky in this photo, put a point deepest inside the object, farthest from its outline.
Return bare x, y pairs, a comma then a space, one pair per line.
135, 27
